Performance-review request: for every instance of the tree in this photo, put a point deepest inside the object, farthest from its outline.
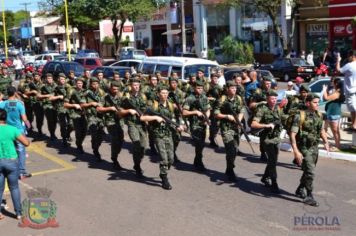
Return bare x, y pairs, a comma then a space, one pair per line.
9, 19
273, 8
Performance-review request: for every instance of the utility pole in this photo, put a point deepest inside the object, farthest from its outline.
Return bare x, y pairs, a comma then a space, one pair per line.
184, 40
4, 27
28, 23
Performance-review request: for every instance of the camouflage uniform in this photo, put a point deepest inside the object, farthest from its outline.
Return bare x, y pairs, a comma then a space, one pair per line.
136, 129
5, 82
37, 105
270, 139
197, 125
114, 126
23, 88
78, 117
214, 91
230, 132
95, 119
63, 114
307, 139
49, 110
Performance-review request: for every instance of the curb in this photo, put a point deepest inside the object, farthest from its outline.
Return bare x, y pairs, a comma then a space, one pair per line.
285, 146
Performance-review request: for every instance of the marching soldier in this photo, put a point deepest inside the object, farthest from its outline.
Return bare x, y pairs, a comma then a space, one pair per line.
213, 94
133, 104
35, 89
230, 107
103, 82
197, 109
162, 132
110, 106
90, 102
5, 81
47, 90
306, 132
269, 118
24, 90
76, 113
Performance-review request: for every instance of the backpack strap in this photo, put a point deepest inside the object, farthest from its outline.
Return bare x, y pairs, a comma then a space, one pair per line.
302, 119
170, 106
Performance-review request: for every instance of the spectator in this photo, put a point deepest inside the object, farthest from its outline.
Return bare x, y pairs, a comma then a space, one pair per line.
293, 54
298, 82
302, 54
15, 116
204, 54
17, 63
290, 90
251, 86
221, 80
276, 51
349, 71
310, 58
9, 161
333, 109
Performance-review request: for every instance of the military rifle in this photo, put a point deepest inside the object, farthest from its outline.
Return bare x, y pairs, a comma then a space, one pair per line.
129, 105
166, 120
236, 117
205, 118
112, 103
175, 101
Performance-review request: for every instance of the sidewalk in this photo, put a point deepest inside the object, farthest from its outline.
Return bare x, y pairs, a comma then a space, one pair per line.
348, 154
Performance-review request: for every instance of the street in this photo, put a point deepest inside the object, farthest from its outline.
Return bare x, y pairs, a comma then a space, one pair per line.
93, 199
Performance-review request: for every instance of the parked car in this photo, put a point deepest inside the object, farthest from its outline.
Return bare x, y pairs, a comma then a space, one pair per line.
186, 54
87, 53
109, 62
90, 62
28, 56
129, 63
109, 70
56, 67
133, 54
289, 68
42, 59
229, 73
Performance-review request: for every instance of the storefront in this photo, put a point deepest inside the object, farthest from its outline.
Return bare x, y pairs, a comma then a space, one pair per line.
342, 36
317, 37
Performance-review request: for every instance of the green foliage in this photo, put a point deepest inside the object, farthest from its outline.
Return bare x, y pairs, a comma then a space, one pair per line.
108, 40
20, 16
211, 54
240, 52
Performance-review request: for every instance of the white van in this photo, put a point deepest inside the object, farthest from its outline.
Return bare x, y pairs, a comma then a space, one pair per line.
43, 58
184, 66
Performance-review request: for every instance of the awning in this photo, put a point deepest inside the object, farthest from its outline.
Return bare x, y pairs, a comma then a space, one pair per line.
170, 32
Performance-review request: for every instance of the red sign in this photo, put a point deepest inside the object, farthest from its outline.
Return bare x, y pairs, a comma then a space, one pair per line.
127, 29
342, 28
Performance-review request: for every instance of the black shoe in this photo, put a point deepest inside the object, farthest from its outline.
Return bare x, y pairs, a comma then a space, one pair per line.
300, 193
139, 171
97, 155
80, 150
25, 176
309, 200
200, 167
53, 138
165, 183
231, 175
116, 165
213, 143
65, 143
266, 181
275, 188
263, 158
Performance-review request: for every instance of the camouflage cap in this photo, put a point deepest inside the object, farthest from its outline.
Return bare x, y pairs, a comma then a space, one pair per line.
115, 84
162, 87
272, 92
80, 79
135, 80
230, 83
192, 75
93, 79
29, 75
62, 75
199, 83
49, 75
267, 78
116, 73
312, 96
99, 71
304, 88
172, 79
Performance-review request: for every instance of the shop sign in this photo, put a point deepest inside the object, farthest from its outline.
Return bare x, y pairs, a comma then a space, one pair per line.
342, 29
140, 27
318, 29
127, 29
157, 17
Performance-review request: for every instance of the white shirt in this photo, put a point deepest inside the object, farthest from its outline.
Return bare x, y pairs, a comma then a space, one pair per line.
289, 93
221, 81
18, 64
349, 71
204, 54
310, 59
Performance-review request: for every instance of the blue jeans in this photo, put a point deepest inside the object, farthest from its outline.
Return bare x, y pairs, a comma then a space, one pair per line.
21, 152
9, 169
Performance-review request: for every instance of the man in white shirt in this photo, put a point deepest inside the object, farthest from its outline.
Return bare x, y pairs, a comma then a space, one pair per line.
18, 67
349, 71
221, 80
290, 90
310, 58
204, 54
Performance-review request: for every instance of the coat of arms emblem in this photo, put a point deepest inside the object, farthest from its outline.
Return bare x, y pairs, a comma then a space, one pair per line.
38, 210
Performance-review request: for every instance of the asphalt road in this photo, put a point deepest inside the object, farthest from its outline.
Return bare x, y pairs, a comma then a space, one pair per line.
93, 199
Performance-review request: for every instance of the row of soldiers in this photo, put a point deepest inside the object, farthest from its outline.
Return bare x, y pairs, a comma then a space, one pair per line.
161, 108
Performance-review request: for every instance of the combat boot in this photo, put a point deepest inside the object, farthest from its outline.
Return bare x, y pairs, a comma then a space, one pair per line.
65, 143
309, 200
300, 192
275, 188
165, 183
231, 174
176, 159
139, 171
80, 149
116, 164
213, 143
97, 155
266, 181
199, 165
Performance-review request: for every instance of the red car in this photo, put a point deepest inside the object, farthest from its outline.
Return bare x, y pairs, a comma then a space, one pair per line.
89, 62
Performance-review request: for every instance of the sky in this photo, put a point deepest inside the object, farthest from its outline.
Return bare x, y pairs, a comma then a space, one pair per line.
15, 5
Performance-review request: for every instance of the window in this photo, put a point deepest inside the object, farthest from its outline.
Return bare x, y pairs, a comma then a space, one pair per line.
148, 68
80, 61
277, 63
91, 62
50, 68
39, 58
163, 69
193, 69
177, 69
58, 68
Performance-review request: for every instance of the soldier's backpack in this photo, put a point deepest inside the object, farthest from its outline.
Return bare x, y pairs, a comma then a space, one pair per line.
155, 106
289, 121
